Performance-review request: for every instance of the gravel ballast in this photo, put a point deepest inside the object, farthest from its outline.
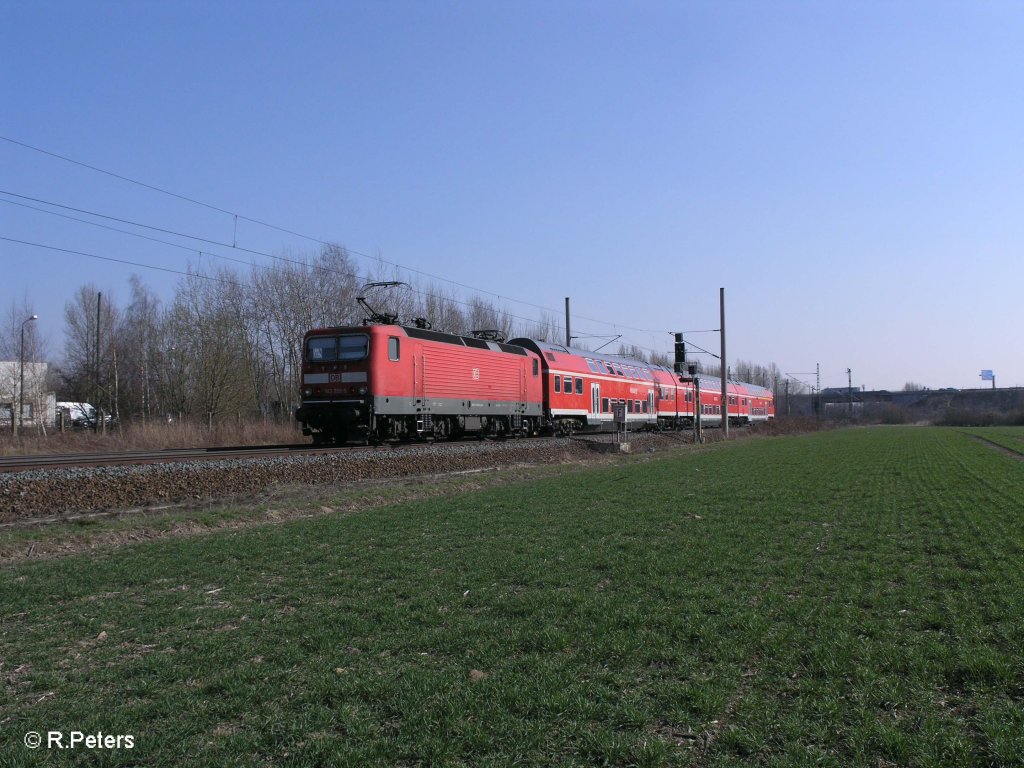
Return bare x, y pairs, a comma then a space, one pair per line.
54, 492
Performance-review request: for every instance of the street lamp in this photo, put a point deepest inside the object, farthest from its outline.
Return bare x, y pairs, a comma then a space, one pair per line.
21, 388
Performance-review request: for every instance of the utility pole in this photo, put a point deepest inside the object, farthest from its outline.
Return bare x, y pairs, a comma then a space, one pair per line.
568, 329
787, 397
817, 368
849, 388
698, 427
96, 401
725, 370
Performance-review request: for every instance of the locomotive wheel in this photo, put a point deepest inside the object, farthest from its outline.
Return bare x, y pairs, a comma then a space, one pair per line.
455, 430
445, 429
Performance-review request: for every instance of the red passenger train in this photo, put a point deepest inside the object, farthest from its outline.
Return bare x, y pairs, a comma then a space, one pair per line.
381, 382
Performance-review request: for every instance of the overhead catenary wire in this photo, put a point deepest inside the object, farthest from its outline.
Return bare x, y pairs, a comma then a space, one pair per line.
141, 265
120, 261
296, 262
239, 216
136, 234
234, 246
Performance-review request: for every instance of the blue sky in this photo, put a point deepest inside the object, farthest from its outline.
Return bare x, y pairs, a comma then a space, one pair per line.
851, 173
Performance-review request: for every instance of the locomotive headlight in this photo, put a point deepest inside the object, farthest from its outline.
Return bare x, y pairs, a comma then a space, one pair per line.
362, 390
307, 391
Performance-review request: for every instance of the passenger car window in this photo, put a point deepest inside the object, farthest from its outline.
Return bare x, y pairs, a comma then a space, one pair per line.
579, 386
558, 383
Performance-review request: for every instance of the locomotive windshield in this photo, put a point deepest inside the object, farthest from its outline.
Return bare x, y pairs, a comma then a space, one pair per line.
329, 349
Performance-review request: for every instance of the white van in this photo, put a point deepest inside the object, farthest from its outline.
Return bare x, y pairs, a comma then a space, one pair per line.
78, 414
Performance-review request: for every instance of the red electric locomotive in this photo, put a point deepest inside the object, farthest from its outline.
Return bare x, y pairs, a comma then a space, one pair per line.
378, 382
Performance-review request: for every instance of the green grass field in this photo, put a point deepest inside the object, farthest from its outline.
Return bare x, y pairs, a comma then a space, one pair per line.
850, 598
1008, 437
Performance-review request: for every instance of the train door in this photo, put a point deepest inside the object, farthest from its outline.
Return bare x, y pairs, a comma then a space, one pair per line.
419, 374
595, 401
650, 405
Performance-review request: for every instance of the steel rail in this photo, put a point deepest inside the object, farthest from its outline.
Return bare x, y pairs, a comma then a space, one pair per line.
22, 463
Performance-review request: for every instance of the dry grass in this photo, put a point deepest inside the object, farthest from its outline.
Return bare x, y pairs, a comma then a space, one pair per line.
152, 436
791, 425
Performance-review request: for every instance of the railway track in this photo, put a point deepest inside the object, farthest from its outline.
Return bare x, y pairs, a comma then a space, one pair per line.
115, 458
25, 463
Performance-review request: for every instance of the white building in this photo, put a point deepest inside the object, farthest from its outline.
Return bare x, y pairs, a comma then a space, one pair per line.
39, 405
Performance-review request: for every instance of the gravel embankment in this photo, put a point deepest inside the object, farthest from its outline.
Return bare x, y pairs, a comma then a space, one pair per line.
60, 491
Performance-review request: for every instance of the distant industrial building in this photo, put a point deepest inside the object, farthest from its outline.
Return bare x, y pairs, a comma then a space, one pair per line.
920, 405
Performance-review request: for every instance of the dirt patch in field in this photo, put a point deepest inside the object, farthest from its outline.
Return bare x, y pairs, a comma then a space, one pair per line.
1001, 448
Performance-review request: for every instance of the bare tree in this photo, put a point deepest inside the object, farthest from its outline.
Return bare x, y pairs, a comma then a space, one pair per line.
36, 346
208, 365
443, 311
280, 306
139, 345
545, 328
483, 315
90, 375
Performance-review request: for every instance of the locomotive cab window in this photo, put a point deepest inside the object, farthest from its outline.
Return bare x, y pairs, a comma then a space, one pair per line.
353, 346
393, 348
322, 349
